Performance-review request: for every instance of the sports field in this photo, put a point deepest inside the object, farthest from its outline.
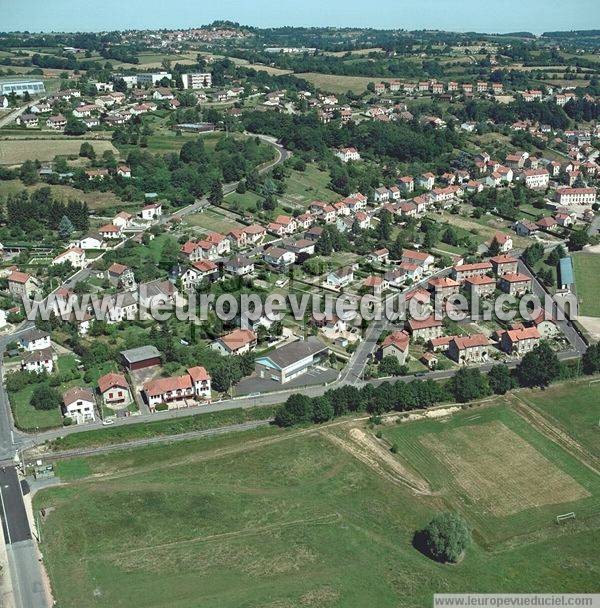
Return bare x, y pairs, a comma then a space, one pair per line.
317, 517
587, 282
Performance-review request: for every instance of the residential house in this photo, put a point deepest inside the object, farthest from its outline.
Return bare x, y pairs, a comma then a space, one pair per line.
469, 349
536, 179
194, 385
504, 264
110, 231
395, 345
152, 211
278, 257
78, 404
519, 341
121, 276
514, 283
504, 241
420, 258
239, 266
237, 342
348, 154
156, 293
340, 278
525, 227
35, 339
199, 270
38, 361
425, 329
22, 284
255, 233
123, 306
576, 196
75, 256
114, 390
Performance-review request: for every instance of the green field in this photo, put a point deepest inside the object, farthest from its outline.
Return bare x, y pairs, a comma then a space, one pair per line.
303, 187
211, 219
334, 83
17, 151
273, 518
587, 282
26, 416
574, 408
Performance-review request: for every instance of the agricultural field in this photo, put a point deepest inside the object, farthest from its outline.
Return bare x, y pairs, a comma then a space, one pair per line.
323, 517
95, 200
17, 151
334, 83
587, 282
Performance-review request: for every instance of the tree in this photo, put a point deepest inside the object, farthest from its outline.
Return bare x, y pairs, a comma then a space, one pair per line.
500, 379
577, 240
216, 193
390, 366
533, 254
591, 359
322, 410
446, 537
44, 397
296, 410
86, 150
74, 126
539, 366
494, 248
65, 228
469, 384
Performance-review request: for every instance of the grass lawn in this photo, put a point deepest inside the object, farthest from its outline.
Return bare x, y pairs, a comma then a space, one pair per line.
199, 422
243, 202
17, 151
333, 83
211, 219
303, 187
574, 408
587, 282
168, 141
487, 463
287, 518
28, 418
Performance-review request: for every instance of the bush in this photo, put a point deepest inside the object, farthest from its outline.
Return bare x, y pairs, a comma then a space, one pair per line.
44, 397
446, 537
161, 407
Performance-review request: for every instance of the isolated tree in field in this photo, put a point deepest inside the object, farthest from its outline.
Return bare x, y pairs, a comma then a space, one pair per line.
500, 379
45, 397
578, 240
65, 227
447, 537
86, 150
539, 366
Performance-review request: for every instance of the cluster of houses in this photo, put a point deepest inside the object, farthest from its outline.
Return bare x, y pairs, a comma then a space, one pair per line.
482, 279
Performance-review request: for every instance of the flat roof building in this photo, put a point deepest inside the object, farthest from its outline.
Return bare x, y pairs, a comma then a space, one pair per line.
19, 86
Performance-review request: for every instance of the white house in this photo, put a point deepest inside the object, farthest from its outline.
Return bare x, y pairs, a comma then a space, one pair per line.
152, 211
74, 255
347, 154
78, 404
35, 339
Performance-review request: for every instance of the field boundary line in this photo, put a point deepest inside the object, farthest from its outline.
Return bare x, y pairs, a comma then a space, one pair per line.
328, 518
558, 436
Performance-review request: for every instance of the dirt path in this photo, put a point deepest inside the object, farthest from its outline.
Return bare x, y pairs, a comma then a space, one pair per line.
555, 434
371, 452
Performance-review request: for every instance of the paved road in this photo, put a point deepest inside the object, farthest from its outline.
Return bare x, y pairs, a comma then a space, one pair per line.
6, 120
23, 558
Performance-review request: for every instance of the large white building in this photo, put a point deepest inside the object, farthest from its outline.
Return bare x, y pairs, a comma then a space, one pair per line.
576, 196
21, 86
536, 179
199, 80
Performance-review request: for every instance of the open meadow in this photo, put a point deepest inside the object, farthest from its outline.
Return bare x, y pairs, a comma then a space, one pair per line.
321, 517
16, 151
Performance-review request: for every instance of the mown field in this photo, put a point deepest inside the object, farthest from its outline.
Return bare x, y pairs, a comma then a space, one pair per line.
334, 83
17, 151
273, 518
587, 282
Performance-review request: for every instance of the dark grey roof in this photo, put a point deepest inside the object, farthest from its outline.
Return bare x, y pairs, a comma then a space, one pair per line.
135, 355
43, 354
34, 334
294, 351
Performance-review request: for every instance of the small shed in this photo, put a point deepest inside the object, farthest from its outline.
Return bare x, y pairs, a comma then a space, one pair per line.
141, 357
